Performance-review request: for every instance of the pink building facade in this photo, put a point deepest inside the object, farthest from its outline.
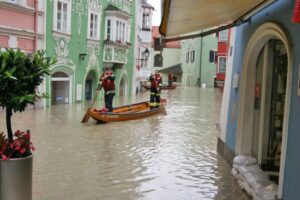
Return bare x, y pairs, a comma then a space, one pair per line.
22, 24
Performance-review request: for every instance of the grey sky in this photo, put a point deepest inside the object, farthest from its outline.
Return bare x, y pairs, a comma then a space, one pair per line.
157, 12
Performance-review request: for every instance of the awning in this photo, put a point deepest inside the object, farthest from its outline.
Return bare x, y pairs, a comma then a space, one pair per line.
181, 17
174, 69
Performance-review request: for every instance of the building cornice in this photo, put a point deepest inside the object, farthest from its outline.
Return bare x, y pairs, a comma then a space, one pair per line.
18, 8
61, 34
4, 30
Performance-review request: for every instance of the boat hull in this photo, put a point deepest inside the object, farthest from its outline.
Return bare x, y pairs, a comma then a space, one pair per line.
128, 112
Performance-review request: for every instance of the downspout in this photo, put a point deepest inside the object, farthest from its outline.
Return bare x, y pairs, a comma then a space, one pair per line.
200, 70
36, 15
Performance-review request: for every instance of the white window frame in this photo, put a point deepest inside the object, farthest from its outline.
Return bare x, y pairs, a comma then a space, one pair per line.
219, 58
96, 32
146, 20
223, 36
111, 36
68, 21
120, 32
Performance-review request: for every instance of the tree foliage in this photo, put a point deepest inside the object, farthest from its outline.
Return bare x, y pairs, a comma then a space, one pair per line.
20, 74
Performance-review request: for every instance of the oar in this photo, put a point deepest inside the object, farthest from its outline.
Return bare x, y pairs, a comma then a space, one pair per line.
87, 115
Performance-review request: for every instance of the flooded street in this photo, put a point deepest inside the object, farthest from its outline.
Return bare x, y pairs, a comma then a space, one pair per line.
170, 156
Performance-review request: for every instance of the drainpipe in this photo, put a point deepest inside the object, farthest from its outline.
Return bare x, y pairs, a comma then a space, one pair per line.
36, 15
201, 49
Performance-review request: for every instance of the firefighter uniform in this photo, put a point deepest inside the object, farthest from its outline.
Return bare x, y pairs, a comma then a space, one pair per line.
108, 83
155, 90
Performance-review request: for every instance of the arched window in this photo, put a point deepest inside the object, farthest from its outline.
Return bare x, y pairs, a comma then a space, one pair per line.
158, 60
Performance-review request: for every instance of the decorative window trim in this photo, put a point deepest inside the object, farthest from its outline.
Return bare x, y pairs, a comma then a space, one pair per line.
98, 25
106, 27
69, 12
117, 34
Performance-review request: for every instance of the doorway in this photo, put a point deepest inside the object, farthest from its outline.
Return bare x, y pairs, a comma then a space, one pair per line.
123, 87
90, 85
269, 105
259, 131
60, 84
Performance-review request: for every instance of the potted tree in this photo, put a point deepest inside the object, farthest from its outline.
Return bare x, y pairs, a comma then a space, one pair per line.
20, 74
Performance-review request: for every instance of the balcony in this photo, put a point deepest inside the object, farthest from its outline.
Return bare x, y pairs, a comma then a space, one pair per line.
115, 51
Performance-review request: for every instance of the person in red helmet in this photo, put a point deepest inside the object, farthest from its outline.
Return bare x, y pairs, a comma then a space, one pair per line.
155, 80
107, 81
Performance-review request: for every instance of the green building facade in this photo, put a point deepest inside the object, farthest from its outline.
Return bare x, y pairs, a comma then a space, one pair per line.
86, 36
197, 68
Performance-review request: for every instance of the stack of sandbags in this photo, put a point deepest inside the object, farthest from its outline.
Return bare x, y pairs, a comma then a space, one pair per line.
252, 179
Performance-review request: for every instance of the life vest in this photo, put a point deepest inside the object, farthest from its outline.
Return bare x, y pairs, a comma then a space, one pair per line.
108, 83
155, 81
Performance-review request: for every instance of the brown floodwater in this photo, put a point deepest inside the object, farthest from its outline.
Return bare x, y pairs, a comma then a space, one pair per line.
170, 156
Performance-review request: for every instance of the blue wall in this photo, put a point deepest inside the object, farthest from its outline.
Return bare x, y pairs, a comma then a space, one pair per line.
280, 12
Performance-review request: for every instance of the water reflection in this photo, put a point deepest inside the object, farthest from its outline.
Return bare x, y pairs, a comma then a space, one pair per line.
161, 157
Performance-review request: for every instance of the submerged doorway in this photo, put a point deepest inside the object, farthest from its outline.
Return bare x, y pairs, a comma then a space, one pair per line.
269, 104
123, 87
90, 85
60, 84
255, 128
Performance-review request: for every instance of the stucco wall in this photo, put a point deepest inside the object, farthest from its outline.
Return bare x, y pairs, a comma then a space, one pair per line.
201, 67
279, 12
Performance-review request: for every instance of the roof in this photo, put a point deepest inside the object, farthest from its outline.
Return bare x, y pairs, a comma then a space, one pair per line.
156, 34
175, 69
147, 5
110, 7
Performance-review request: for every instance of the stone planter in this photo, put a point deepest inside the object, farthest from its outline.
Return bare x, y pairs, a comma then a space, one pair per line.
16, 179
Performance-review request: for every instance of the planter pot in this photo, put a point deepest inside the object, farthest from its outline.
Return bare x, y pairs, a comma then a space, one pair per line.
16, 179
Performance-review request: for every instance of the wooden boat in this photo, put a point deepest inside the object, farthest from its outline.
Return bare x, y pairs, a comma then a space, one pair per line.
128, 112
162, 87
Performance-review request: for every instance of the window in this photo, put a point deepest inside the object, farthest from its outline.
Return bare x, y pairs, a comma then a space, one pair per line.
93, 25
222, 64
223, 36
121, 31
62, 16
192, 56
158, 60
146, 21
157, 45
108, 29
117, 27
212, 56
187, 57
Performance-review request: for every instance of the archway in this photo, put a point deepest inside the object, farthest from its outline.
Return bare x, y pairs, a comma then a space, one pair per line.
91, 82
60, 84
123, 86
267, 51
